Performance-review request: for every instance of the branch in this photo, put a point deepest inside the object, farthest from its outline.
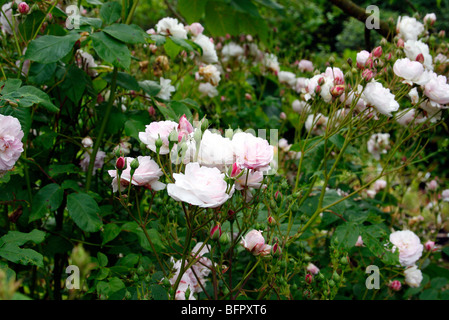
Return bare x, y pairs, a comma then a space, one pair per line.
360, 14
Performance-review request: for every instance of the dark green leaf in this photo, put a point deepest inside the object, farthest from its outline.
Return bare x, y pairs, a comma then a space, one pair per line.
84, 211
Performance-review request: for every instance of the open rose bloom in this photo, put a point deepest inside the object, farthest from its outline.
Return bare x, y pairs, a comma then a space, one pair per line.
11, 146
254, 242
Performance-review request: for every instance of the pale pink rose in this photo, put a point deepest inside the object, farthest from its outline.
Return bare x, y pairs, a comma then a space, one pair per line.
301, 84
313, 269
195, 29
381, 98
11, 146
300, 106
335, 74
200, 186
287, 77
411, 71
146, 175
155, 130
432, 185
430, 18
252, 152
215, 150
413, 48
362, 58
379, 185
445, 195
254, 242
378, 144
413, 276
437, 89
409, 28
305, 65
252, 180
409, 246
99, 161
87, 142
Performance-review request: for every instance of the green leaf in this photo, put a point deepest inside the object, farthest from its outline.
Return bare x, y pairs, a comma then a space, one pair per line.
94, 22
49, 49
48, 198
111, 50
110, 232
74, 83
158, 292
84, 211
126, 33
55, 170
180, 109
13, 253
150, 87
246, 7
124, 80
110, 12
20, 238
221, 19
41, 73
102, 259
346, 235
192, 10
171, 48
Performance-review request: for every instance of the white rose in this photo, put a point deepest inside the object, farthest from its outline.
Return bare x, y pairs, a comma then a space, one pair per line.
381, 98
413, 276
171, 27
200, 186
215, 150
409, 28
409, 246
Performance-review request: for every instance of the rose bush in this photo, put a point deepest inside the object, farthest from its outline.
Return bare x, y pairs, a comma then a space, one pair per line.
194, 158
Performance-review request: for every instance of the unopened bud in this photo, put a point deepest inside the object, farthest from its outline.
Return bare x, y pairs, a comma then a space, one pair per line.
120, 163
338, 90
395, 285
420, 58
24, 8
271, 221
367, 75
429, 245
215, 232
276, 249
309, 278
377, 52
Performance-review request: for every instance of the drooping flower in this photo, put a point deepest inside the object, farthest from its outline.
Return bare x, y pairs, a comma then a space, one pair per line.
171, 27
200, 186
413, 276
254, 242
146, 175
381, 98
99, 161
11, 146
378, 144
409, 246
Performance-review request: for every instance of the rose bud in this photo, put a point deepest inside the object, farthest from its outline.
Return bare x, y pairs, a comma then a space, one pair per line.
236, 170
338, 90
377, 52
429, 245
367, 75
215, 232
271, 221
120, 163
309, 278
395, 285
24, 8
276, 249
400, 43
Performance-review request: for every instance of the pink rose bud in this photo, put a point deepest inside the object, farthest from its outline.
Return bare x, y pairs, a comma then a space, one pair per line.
377, 52
389, 56
338, 90
248, 96
196, 28
395, 285
277, 195
222, 98
228, 36
271, 221
420, 58
184, 127
367, 75
309, 278
215, 232
120, 163
24, 8
429, 245
276, 249
235, 170
231, 214
283, 116
313, 269
318, 89
321, 81
151, 111
400, 43
100, 98
442, 34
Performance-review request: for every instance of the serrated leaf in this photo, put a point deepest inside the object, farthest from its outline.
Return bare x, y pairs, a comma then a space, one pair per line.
110, 12
48, 198
20, 238
111, 50
13, 253
84, 211
49, 48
